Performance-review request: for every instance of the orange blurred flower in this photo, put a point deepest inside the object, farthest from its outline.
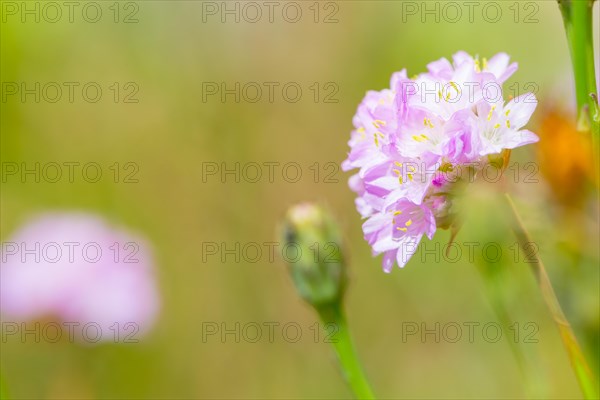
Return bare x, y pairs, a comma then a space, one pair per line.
565, 157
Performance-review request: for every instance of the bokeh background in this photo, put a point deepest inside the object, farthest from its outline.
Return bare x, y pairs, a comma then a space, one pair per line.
170, 133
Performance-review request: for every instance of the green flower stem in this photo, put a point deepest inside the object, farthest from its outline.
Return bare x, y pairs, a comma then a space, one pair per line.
577, 17
346, 354
586, 379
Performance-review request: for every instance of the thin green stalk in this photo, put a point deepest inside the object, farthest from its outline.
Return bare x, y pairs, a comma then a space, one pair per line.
586, 379
344, 348
577, 17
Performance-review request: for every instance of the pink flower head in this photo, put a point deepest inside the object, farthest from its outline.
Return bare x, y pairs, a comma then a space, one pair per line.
77, 268
410, 142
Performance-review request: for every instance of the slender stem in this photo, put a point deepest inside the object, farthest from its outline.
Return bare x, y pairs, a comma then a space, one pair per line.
577, 17
344, 348
584, 375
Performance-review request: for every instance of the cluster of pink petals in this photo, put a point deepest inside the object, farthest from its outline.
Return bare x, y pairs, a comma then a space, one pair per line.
409, 140
76, 268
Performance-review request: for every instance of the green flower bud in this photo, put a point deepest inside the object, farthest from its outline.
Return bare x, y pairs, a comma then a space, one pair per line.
317, 267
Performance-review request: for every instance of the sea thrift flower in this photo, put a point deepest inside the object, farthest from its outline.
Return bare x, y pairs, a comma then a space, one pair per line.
77, 268
417, 143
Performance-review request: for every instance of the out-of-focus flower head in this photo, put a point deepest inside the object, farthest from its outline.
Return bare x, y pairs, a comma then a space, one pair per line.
414, 143
79, 269
565, 157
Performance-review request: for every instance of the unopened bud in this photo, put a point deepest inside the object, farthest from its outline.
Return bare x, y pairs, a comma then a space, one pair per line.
318, 272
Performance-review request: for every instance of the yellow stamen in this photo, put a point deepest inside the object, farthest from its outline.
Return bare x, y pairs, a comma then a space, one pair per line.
507, 123
496, 126
397, 212
409, 222
402, 229
378, 123
489, 117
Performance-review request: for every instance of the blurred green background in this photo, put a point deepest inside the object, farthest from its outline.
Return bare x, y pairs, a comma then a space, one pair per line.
170, 132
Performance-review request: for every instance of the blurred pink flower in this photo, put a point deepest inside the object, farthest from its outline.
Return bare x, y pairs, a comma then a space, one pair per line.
77, 268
